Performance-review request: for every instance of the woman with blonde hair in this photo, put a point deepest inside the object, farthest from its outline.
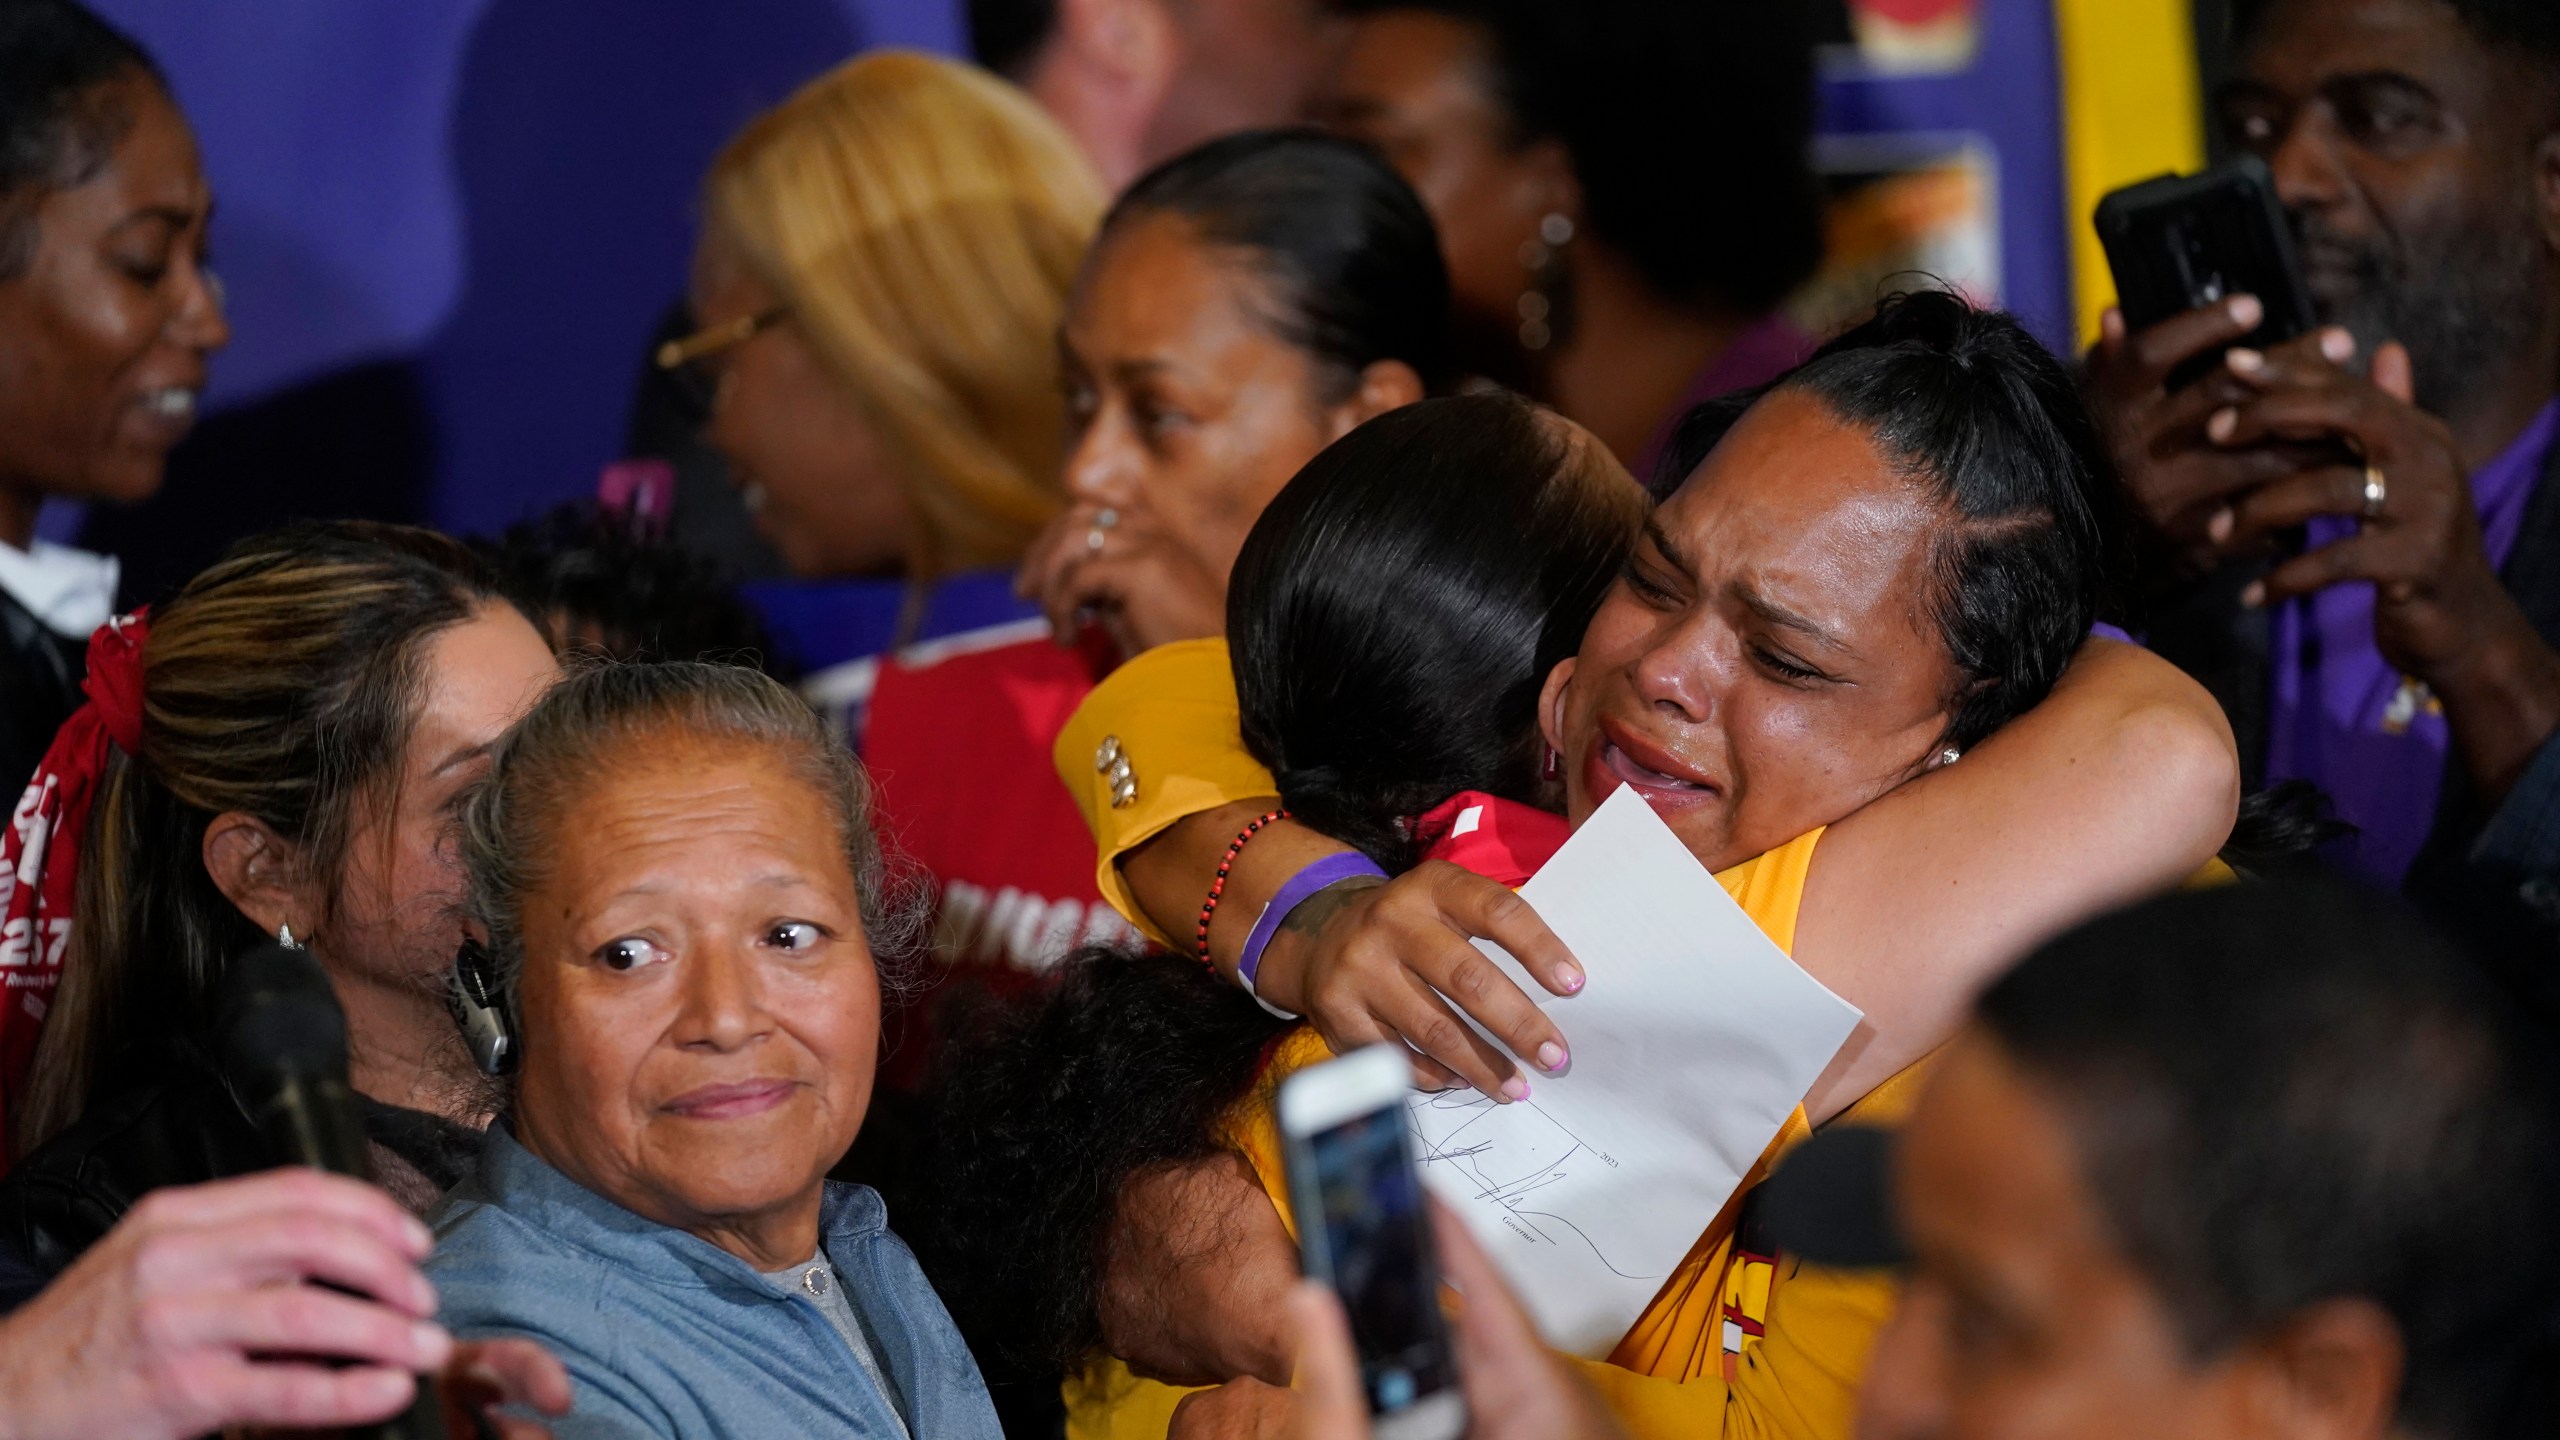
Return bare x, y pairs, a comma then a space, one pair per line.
884, 262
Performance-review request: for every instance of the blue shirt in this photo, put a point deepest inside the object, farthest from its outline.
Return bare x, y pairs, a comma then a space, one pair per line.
667, 1335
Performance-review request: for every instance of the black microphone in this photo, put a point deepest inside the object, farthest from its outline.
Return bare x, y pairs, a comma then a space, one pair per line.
282, 1040
284, 1049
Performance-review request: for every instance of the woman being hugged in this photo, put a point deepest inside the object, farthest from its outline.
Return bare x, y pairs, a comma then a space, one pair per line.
685, 914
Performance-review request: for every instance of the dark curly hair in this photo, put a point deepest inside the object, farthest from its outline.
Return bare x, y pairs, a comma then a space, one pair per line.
1042, 1116
596, 581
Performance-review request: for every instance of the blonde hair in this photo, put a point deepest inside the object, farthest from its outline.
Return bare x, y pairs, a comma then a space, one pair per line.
922, 221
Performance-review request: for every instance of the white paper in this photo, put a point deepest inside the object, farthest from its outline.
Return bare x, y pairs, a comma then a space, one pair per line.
1692, 1042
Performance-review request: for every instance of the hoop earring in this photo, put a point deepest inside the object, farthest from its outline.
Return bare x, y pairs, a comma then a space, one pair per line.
284, 937
1542, 301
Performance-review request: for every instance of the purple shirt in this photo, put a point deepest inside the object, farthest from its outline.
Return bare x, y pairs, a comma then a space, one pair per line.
2339, 715
1768, 349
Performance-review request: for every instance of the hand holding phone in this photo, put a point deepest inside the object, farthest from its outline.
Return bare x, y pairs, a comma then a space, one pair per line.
2204, 265
1516, 1388
1364, 1228
2184, 243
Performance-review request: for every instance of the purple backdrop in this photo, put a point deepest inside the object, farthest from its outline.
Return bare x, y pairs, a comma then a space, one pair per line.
448, 227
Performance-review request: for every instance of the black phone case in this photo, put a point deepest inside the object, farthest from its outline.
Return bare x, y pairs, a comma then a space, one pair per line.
2181, 242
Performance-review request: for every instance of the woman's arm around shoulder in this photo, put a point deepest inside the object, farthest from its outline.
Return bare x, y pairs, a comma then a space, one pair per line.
2121, 784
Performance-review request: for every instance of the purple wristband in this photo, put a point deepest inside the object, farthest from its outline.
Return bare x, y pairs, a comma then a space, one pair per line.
1331, 870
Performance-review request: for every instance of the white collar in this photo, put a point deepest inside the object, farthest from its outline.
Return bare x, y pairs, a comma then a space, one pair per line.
71, 591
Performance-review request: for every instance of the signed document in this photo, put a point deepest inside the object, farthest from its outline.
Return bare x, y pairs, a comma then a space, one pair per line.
1693, 1041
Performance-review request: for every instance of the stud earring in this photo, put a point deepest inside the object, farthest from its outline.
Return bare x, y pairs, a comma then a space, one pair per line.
284, 937
1948, 756
1542, 300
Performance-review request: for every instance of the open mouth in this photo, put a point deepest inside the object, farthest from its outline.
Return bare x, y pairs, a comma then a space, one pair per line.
1663, 780
170, 402
167, 411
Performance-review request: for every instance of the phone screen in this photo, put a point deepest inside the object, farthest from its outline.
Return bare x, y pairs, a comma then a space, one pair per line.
1377, 1244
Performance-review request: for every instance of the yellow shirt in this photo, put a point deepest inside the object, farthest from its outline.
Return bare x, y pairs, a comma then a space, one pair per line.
1735, 1345
1166, 720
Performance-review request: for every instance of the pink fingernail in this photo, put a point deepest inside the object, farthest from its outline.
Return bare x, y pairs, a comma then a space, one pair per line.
1515, 1088
2218, 529
2255, 595
2223, 423
1569, 975
1551, 1057
429, 1343
2338, 345
2245, 310
2247, 362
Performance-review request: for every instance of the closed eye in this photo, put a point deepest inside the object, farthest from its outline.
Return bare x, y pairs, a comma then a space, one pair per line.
1647, 586
1786, 669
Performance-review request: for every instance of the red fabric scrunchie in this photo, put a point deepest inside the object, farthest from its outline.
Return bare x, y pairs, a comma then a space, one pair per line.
40, 854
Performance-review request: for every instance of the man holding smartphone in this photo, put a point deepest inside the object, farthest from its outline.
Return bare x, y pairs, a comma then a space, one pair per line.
2402, 657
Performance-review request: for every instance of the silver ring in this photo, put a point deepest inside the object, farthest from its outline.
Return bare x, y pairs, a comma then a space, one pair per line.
1093, 539
2376, 490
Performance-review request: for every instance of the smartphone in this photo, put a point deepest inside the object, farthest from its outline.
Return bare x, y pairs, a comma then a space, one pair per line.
1364, 1229
2182, 242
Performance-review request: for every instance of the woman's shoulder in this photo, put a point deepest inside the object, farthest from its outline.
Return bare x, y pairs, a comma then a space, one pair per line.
484, 1245
1770, 886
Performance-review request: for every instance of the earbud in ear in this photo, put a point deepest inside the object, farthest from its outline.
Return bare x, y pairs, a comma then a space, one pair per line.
481, 1008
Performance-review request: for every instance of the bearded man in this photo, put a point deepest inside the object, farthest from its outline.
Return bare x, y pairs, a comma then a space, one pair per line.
2354, 538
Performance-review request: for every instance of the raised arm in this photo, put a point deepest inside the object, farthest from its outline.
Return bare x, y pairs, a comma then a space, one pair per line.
1154, 760
2122, 783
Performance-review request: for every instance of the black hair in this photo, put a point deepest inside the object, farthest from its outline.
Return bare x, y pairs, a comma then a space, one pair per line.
2530, 25
1690, 128
1393, 614
2288, 1093
1970, 406
1399, 604
1007, 36
1346, 246
56, 128
1039, 1118
595, 580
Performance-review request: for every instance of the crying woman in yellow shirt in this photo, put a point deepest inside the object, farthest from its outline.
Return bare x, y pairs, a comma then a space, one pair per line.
1846, 663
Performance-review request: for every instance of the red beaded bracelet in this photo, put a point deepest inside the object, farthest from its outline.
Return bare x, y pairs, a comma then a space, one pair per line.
1218, 887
